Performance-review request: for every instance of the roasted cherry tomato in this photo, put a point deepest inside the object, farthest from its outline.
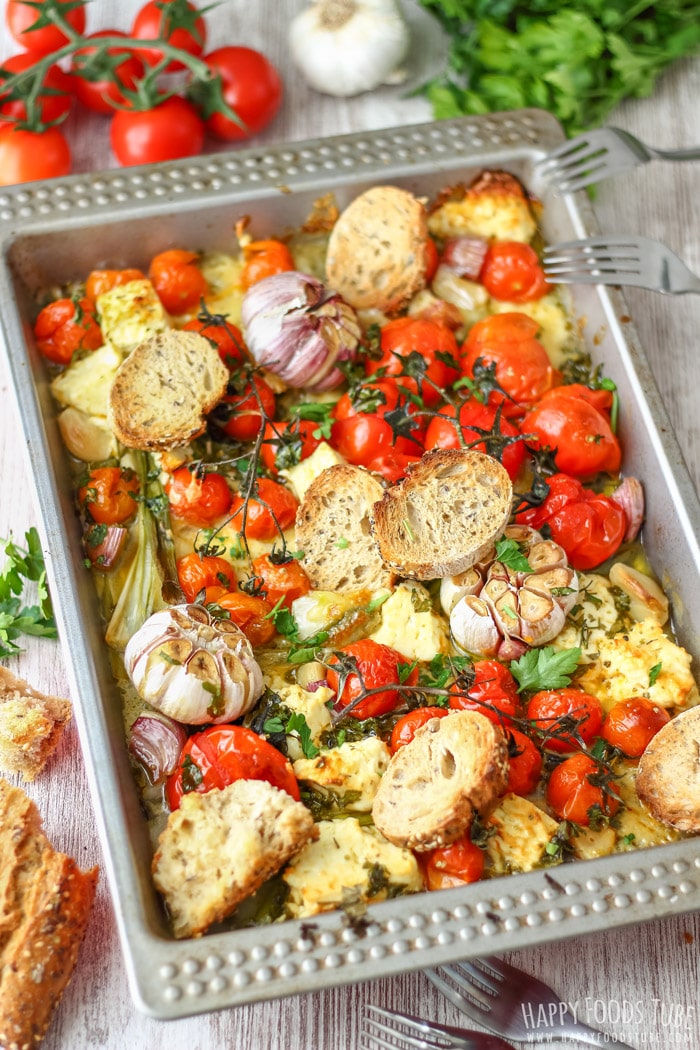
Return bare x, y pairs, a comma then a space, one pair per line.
377, 666
523, 369
432, 259
264, 259
407, 336
274, 508
511, 272
475, 417
226, 337
169, 130
281, 581
493, 693
632, 724
588, 525
197, 572
584, 443
598, 397
220, 755
251, 86
549, 706
153, 21
287, 443
246, 407
405, 729
454, 865
109, 497
524, 763
20, 18
64, 326
106, 95
392, 465
177, 279
101, 281
52, 106
251, 613
360, 439
200, 500
577, 791
377, 399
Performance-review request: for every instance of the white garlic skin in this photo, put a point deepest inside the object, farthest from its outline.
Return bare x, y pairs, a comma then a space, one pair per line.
345, 47
192, 667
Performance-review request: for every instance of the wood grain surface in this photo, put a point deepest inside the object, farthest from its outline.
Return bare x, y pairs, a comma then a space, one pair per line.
651, 970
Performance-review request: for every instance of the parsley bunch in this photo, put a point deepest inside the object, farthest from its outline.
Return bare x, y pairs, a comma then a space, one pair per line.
23, 565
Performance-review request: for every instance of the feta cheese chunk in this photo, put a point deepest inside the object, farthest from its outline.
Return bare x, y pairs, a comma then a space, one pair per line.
129, 313
522, 831
301, 475
353, 768
411, 626
86, 383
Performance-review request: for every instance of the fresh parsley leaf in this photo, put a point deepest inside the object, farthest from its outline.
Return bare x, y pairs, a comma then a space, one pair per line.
510, 553
545, 668
654, 673
298, 725
406, 670
24, 565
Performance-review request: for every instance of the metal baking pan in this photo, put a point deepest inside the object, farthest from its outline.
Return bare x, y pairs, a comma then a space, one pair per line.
56, 231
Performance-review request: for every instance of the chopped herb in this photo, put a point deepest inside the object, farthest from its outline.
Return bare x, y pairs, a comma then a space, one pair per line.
511, 554
298, 726
510, 611
407, 525
95, 535
628, 839
216, 707
420, 600
342, 544
545, 668
441, 670
376, 602
169, 659
561, 592
273, 725
406, 670
192, 775
654, 674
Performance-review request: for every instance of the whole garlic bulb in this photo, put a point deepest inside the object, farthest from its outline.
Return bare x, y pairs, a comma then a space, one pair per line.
344, 47
193, 667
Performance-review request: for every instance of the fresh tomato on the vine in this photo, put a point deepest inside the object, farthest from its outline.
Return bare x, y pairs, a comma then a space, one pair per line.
493, 693
227, 338
285, 444
177, 279
245, 409
450, 866
101, 281
219, 755
524, 763
548, 707
26, 156
522, 367
632, 724
183, 28
588, 525
512, 272
427, 340
64, 326
282, 581
105, 94
582, 436
405, 729
109, 495
169, 130
274, 508
473, 418
377, 666
251, 613
53, 105
197, 572
251, 86
377, 398
264, 259
20, 18
198, 498
578, 790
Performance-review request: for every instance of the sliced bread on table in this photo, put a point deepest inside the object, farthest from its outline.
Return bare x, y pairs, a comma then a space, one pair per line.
164, 389
31, 725
333, 530
444, 516
45, 905
668, 774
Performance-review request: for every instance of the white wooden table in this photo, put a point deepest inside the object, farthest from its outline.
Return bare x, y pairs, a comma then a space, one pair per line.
651, 970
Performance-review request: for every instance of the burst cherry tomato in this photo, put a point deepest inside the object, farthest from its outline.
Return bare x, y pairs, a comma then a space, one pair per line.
281, 581
494, 692
62, 328
475, 417
405, 729
426, 339
524, 763
286, 444
196, 573
109, 495
511, 272
547, 707
264, 259
198, 499
220, 755
392, 465
169, 130
581, 434
251, 87
153, 21
244, 411
26, 156
20, 18
377, 666
575, 792
226, 337
275, 508
177, 279
361, 438
632, 724
106, 95
588, 525
101, 281
523, 369
251, 613
52, 106
454, 865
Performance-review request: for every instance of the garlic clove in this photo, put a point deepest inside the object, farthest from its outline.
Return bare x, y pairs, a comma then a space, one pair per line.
541, 618
547, 555
560, 584
473, 627
452, 588
630, 496
647, 600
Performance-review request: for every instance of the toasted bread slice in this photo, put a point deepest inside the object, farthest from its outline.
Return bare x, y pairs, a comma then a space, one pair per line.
218, 848
377, 252
45, 904
668, 775
31, 725
454, 766
164, 389
444, 516
333, 530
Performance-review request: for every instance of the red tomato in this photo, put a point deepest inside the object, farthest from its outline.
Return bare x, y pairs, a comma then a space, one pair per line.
20, 18
599, 398
220, 755
632, 724
109, 495
101, 281
588, 525
432, 259
392, 465
245, 420
581, 434
524, 764
226, 337
278, 453
494, 692
105, 95
62, 328
405, 729
281, 581
264, 259
547, 707
361, 438
170, 130
153, 21
523, 369
26, 156
373, 399
275, 508
177, 279
408, 335
511, 272
251, 613
575, 792
442, 432
454, 865
377, 666
52, 106
197, 572
251, 86
198, 499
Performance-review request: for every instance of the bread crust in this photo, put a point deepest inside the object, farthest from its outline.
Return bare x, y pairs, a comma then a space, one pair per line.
454, 766
668, 774
31, 725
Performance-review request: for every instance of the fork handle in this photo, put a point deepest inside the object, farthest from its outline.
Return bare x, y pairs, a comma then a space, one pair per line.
691, 153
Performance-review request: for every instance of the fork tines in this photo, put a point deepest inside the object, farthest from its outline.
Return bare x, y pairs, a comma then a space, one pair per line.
593, 255
394, 1031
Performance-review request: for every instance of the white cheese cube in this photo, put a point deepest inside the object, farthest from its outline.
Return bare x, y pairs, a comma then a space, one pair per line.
522, 831
410, 625
86, 383
355, 767
129, 313
301, 475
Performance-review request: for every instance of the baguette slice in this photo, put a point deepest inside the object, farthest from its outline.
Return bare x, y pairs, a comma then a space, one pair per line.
454, 766
45, 904
668, 774
164, 389
445, 515
333, 530
218, 848
31, 725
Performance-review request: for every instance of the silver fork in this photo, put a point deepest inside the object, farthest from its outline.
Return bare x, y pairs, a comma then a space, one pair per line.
598, 154
638, 261
391, 1030
513, 1004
